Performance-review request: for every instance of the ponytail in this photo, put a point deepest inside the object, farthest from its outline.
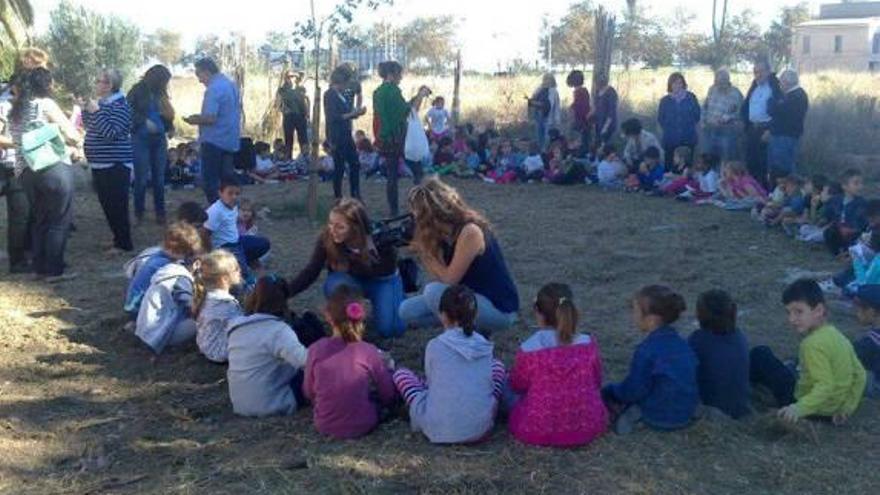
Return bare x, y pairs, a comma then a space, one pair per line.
459, 304
556, 305
347, 313
208, 272
199, 289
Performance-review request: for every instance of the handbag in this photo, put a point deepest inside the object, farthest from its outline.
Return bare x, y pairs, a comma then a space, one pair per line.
43, 147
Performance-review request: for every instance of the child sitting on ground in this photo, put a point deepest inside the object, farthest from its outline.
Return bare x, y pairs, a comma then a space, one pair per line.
265, 170
166, 313
722, 352
661, 387
867, 348
181, 245
216, 273
326, 165
811, 191
222, 224
850, 220
347, 380
266, 358
188, 212
706, 178
368, 158
558, 371
458, 400
650, 172
444, 158
247, 218
681, 170
611, 171
821, 211
829, 380
738, 190
468, 162
279, 153
792, 204
533, 165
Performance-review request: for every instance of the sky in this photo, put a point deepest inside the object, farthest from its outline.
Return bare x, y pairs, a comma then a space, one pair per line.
491, 32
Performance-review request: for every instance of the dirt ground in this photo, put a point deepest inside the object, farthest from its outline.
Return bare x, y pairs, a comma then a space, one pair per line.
85, 408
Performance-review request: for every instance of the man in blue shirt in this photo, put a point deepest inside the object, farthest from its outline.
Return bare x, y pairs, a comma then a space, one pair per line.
219, 126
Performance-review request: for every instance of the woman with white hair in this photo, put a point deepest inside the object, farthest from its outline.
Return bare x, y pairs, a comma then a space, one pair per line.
721, 118
788, 111
108, 150
544, 108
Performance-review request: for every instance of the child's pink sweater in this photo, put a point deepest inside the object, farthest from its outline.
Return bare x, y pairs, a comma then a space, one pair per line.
561, 403
338, 381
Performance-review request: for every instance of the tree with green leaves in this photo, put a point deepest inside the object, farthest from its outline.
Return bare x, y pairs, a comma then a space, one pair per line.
430, 43
317, 30
779, 36
16, 16
572, 38
81, 42
164, 46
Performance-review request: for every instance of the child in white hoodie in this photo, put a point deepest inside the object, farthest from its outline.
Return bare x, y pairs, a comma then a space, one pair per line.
266, 359
458, 401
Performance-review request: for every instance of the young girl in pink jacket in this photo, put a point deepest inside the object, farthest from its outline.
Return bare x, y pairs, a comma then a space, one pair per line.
558, 373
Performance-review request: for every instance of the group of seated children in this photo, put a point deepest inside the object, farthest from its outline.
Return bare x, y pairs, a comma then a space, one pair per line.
184, 167
554, 394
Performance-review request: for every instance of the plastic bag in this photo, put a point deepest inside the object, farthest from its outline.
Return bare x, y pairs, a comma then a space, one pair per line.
416, 147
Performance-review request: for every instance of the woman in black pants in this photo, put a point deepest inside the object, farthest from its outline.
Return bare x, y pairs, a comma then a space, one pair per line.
109, 153
339, 113
50, 189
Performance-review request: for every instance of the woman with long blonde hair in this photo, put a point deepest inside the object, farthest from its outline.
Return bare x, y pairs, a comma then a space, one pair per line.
347, 251
457, 246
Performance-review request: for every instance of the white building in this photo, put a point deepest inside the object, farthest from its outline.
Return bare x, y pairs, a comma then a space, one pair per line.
846, 36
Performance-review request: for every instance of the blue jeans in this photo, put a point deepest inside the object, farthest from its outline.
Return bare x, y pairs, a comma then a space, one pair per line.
781, 155
150, 160
722, 142
385, 295
248, 249
541, 129
423, 310
51, 192
217, 163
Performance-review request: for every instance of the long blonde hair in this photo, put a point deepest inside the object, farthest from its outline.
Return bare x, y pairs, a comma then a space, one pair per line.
209, 271
439, 213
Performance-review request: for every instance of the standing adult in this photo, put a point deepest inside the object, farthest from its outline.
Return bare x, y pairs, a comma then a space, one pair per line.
457, 246
390, 112
678, 116
339, 113
721, 122
108, 151
152, 123
219, 126
604, 114
544, 109
17, 206
294, 113
347, 251
788, 112
580, 110
756, 116
50, 187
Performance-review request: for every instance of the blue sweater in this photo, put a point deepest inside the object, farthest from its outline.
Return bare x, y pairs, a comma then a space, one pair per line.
723, 370
679, 120
662, 380
141, 282
108, 132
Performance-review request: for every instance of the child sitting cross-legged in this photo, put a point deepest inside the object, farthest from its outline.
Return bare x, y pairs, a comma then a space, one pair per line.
868, 346
738, 190
660, 389
846, 214
681, 172
792, 203
458, 400
558, 372
216, 273
722, 352
828, 380
266, 358
347, 380
611, 171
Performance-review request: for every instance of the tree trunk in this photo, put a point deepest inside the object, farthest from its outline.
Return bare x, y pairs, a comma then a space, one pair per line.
456, 100
604, 27
312, 197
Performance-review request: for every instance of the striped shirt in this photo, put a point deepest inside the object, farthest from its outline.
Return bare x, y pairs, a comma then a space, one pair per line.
38, 112
108, 133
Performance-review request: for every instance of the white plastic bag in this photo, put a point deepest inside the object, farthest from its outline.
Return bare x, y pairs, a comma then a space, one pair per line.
416, 147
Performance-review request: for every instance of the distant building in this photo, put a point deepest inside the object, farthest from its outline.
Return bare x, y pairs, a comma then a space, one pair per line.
845, 36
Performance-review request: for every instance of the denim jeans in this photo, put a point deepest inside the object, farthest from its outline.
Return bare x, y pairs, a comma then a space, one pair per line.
51, 194
249, 248
722, 142
423, 310
781, 155
541, 129
216, 164
18, 213
767, 370
150, 160
385, 295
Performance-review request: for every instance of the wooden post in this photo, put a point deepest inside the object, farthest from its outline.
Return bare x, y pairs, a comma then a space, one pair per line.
604, 44
456, 100
312, 195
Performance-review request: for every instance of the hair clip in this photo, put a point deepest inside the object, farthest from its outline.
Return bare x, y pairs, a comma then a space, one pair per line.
355, 311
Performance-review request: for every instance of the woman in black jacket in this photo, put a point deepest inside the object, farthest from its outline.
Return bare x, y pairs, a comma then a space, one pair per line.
339, 113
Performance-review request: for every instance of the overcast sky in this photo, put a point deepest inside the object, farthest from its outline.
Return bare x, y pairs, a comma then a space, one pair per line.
491, 31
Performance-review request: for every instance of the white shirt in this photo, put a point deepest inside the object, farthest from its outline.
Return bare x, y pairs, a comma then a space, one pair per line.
223, 224
608, 172
438, 120
533, 163
264, 164
758, 103
708, 181
327, 163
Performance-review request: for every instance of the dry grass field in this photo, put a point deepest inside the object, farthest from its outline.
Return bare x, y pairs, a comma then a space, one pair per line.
841, 129
86, 409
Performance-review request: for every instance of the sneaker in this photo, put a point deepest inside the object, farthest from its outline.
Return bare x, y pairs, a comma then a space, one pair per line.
829, 287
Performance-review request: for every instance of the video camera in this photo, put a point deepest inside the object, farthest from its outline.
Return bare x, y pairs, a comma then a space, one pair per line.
397, 231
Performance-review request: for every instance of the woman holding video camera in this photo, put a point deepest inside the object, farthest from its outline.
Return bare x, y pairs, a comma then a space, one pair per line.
346, 249
456, 245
